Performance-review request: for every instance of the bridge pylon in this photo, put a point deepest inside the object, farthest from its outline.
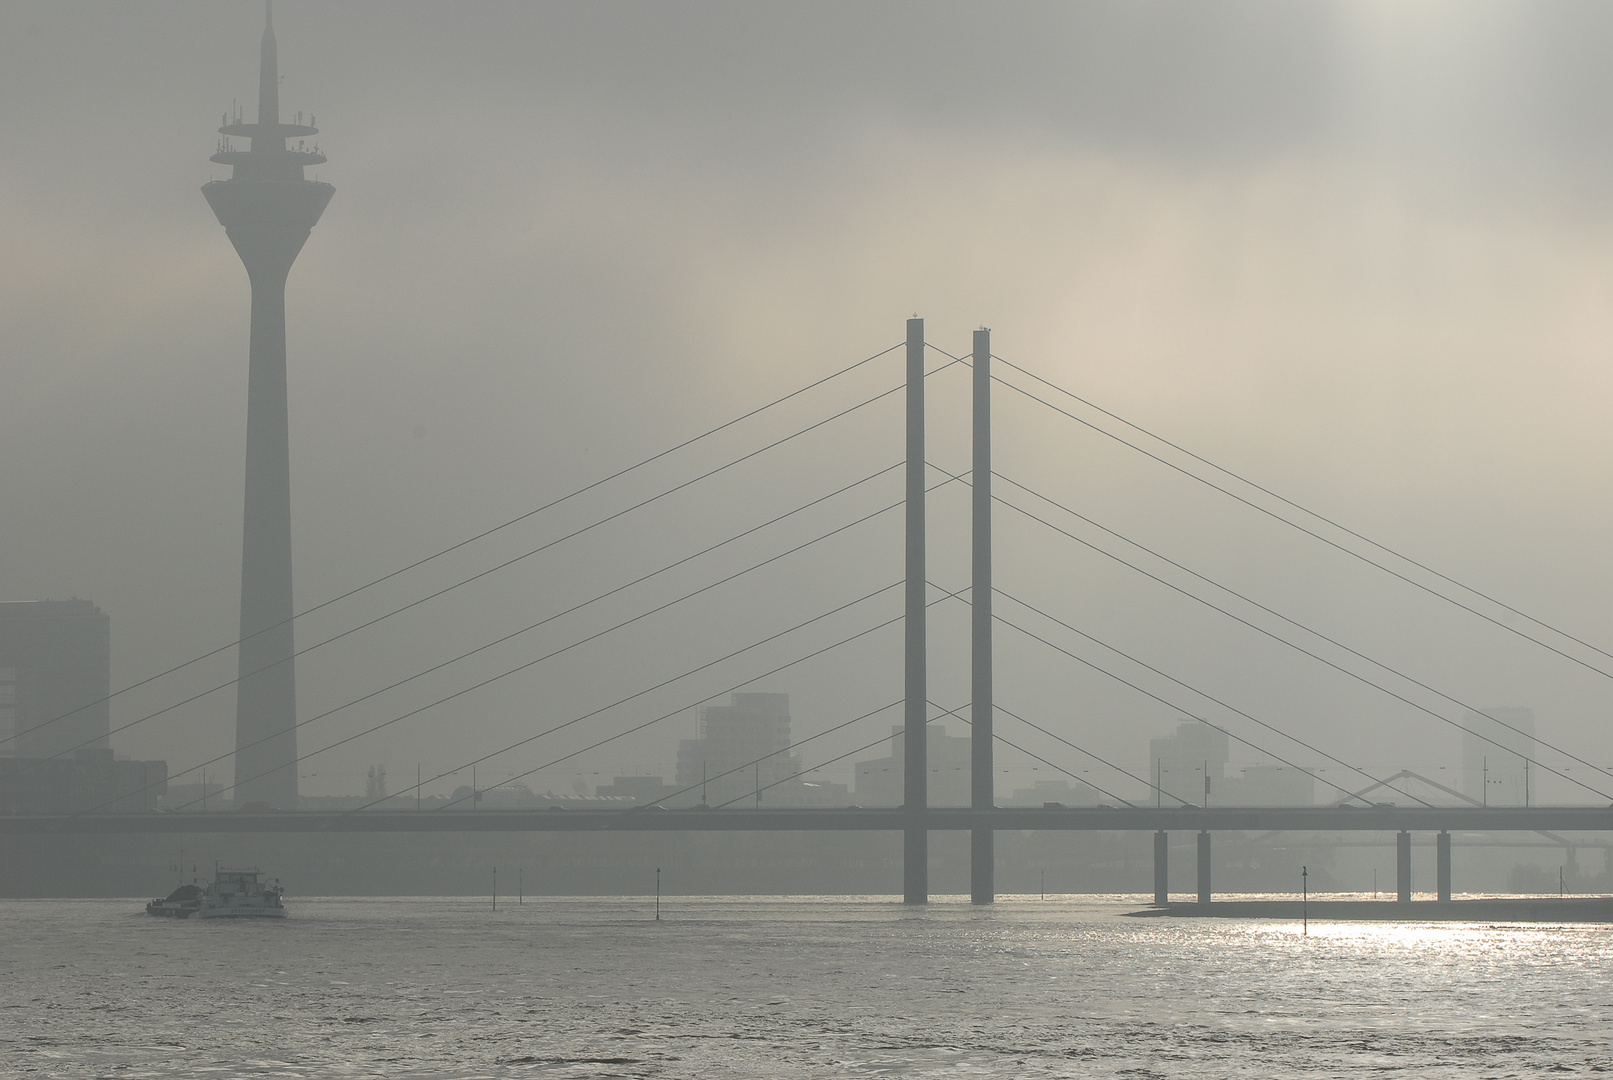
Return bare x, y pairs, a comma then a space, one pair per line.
982, 773
916, 742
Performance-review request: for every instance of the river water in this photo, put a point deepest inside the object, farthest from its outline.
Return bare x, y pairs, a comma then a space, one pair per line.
748, 987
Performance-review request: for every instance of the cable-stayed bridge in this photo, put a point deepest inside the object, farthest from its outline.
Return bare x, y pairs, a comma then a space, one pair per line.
1366, 803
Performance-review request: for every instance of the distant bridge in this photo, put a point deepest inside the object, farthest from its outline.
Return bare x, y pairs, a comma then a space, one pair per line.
1161, 821
1399, 819
982, 819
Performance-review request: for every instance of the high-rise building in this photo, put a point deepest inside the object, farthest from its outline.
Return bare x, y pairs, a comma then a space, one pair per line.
741, 753
8, 711
87, 780
1195, 766
55, 675
882, 781
267, 209
1497, 745
1179, 763
55, 679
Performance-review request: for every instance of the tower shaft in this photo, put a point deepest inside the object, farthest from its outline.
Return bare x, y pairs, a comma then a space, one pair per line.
915, 729
266, 695
267, 209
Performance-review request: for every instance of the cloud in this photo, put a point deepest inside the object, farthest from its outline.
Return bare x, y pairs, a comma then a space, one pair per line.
1356, 251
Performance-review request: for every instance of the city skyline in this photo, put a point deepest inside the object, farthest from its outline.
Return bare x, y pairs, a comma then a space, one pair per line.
479, 359
808, 538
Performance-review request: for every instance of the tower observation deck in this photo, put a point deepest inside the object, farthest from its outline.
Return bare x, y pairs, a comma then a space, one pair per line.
267, 209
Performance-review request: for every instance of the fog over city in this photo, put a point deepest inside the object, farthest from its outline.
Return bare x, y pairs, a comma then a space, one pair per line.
1360, 254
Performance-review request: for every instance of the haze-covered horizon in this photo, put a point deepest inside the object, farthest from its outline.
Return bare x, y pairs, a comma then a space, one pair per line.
1359, 253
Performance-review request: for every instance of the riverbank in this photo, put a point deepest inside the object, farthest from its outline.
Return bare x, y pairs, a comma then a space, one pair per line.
1527, 909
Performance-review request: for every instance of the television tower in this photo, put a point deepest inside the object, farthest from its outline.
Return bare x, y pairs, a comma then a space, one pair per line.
267, 210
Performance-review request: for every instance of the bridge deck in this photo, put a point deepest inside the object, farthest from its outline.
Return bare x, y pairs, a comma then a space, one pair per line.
850, 819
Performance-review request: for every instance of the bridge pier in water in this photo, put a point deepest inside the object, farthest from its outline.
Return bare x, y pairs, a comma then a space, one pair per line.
1204, 868
1403, 867
1162, 868
1442, 859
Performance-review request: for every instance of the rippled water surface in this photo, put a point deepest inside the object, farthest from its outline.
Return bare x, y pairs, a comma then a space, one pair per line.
788, 988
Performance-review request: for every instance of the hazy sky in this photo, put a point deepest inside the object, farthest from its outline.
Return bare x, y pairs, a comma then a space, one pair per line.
1358, 252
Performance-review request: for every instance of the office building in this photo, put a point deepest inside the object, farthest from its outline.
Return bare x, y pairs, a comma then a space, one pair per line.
85, 781
1497, 745
55, 675
879, 781
1193, 765
742, 756
1179, 763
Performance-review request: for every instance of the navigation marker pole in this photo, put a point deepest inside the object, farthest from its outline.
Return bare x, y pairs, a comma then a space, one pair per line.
657, 894
1305, 901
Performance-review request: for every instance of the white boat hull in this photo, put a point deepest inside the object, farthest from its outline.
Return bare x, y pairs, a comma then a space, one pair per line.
240, 913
